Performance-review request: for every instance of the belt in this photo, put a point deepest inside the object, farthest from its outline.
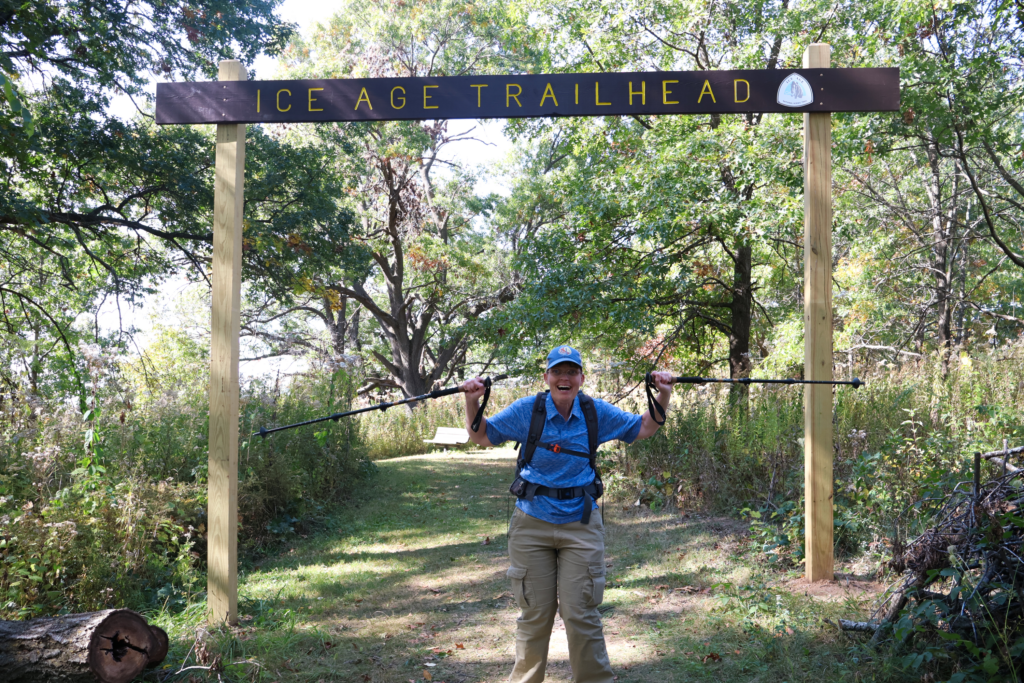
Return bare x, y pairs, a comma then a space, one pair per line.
588, 492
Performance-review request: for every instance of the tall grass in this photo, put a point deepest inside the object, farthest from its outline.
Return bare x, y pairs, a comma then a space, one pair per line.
400, 431
108, 508
910, 429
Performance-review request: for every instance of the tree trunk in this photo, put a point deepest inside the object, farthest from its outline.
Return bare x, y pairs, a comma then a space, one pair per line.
338, 326
460, 364
965, 259
739, 337
112, 646
940, 266
353, 332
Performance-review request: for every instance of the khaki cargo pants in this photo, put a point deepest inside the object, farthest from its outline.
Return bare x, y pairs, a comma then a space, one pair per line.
558, 567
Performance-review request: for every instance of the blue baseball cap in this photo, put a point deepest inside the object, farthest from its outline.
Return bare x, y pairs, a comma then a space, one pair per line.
564, 354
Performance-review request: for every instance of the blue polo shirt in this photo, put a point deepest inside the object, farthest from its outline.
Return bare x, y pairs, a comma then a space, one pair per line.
559, 470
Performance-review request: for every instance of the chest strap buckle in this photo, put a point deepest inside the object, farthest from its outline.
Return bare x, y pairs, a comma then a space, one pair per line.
556, 448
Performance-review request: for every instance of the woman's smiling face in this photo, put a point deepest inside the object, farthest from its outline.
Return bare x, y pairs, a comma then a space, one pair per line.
564, 380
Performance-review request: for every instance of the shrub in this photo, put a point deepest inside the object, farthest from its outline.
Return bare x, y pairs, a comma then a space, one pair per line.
290, 479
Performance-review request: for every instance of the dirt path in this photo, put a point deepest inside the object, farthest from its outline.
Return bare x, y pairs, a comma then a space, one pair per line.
411, 586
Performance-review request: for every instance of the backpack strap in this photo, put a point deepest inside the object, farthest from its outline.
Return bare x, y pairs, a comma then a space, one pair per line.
595, 489
590, 417
537, 418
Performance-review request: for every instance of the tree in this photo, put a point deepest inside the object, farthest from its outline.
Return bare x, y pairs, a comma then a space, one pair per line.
429, 269
112, 47
677, 215
943, 185
92, 207
687, 230
970, 58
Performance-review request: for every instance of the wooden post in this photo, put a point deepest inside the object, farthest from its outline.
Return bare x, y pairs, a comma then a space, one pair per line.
222, 532
818, 332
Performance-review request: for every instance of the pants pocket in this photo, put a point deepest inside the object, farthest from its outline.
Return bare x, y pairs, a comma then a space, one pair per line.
518, 577
593, 591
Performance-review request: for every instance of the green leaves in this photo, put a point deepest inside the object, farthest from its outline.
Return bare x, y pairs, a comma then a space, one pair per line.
295, 226
16, 105
92, 207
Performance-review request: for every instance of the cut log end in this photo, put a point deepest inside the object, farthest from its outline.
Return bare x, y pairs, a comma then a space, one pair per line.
120, 647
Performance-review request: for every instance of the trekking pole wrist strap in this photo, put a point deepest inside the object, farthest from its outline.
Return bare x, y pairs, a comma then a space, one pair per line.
483, 406
652, 403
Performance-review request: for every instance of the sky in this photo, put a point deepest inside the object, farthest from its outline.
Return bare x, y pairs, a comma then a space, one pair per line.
490, 147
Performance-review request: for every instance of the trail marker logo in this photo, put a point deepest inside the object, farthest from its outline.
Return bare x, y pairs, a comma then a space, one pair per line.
795, 91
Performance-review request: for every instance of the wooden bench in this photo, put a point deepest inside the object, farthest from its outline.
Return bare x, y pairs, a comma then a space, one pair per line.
449, 436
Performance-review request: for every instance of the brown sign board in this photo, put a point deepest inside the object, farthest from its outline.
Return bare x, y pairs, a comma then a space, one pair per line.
537, 95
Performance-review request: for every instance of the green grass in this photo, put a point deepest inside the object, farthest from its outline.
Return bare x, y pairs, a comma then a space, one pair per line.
412, 574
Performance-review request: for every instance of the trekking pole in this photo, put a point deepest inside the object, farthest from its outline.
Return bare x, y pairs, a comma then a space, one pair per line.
655, 408
855, 383
438, 393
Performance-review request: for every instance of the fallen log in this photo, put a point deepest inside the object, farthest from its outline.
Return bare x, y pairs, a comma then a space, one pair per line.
899, 600
1002, 458
112, 646
847, 625
865, 626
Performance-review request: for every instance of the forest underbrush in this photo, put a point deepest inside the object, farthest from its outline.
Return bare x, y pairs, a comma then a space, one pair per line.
911, 431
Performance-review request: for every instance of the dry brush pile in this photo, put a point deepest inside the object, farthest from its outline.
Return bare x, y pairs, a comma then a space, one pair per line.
960, 591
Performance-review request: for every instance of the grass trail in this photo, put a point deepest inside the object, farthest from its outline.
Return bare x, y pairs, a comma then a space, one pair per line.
409, 585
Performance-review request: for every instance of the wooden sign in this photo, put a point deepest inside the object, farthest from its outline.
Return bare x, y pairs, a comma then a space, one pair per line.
464, 97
